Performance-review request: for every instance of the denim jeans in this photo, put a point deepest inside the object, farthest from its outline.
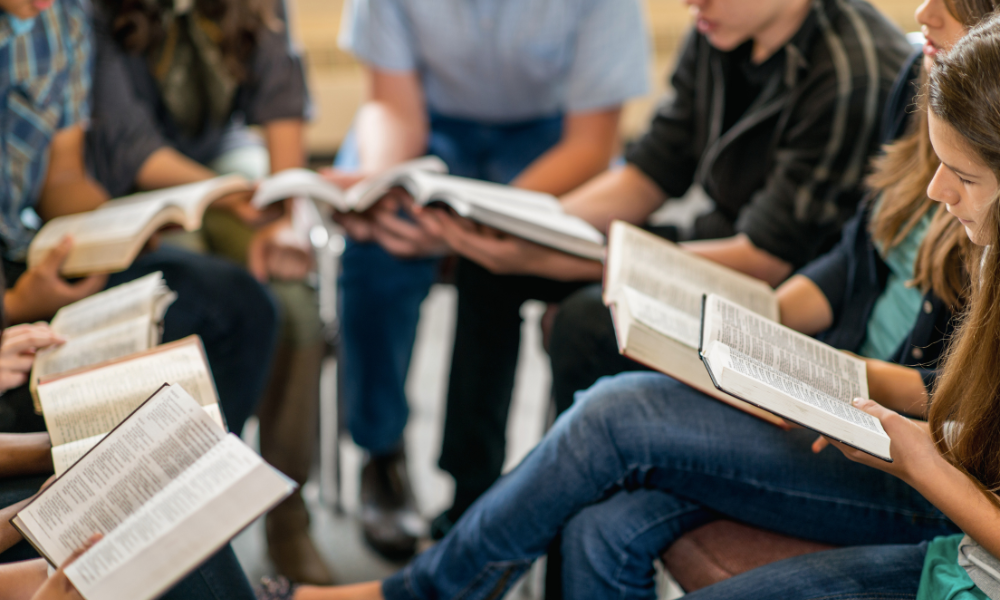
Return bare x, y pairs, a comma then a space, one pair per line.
637, 461
381, 294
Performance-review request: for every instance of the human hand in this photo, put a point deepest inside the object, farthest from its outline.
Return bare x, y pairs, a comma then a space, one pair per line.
401, 237
17, 351
238, 204
276, 252
58, 586
911, 446
41, 291
504, 254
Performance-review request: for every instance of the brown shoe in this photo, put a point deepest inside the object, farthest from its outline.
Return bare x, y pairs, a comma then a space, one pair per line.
289, 546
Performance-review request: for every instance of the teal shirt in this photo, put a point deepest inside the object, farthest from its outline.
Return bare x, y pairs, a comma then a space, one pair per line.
942, 578
898, 306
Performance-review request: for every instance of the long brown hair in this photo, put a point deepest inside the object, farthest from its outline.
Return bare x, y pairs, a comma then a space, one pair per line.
901, 176
138, 25
964, 92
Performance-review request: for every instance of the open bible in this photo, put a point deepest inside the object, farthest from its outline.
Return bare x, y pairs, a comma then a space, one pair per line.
80, 407
117, 322
790, 374
534, 216
109, 238
167, 488
654, 290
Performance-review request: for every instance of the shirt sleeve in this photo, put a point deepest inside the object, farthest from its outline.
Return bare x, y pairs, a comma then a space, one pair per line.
611, 62
664, 153
278, 83
813, 186
123, 132
76, 94
831, 271
379, 33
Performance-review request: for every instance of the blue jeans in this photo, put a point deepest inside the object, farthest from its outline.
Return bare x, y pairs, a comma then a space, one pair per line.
381, 294
234, 315
639, 460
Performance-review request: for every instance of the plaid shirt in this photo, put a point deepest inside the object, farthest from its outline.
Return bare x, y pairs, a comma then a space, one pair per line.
44, 87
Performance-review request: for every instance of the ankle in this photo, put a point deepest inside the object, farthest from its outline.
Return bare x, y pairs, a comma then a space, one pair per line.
371, 590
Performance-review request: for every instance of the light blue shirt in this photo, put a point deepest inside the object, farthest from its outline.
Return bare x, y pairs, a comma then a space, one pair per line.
503, 61
897, 308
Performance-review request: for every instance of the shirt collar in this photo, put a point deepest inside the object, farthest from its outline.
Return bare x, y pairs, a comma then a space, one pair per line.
12, 27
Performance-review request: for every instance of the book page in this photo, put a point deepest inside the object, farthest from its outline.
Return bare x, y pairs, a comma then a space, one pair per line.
162, 439
197, 513
678, 317
65, 456
147, 296
656, 267
190, 198
112, 342
814, 363
430, 186
362, 195
91, 402
94, 228
721, 357
293, 183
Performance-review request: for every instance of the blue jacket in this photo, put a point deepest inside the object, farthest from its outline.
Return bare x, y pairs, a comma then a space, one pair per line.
853, 275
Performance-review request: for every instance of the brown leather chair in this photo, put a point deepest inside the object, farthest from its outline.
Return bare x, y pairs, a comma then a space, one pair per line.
722, 549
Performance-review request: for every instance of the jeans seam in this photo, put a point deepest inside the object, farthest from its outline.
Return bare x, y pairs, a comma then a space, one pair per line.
487, 568
623, 556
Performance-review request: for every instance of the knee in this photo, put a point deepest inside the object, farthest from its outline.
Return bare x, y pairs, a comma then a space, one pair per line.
582, 323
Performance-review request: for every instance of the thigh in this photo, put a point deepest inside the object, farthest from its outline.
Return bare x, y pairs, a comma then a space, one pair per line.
859, 573
653, 431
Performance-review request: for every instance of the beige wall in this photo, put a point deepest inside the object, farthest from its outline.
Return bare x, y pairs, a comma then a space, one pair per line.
337, 85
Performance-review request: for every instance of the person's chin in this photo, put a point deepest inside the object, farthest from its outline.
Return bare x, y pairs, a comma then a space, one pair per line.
722, 42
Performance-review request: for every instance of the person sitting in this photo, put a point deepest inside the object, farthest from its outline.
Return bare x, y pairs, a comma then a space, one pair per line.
776, 108
513, 92
45, 99
176, 88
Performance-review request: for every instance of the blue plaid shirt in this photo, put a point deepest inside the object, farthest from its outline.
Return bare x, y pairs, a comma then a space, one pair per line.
504, 61
44, 87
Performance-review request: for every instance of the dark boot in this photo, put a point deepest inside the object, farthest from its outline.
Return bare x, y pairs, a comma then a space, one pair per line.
389, 515
288, 430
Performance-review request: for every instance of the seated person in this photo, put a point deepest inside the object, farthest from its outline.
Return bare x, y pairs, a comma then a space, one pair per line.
164, 118
776, 107
509, 91
41, 137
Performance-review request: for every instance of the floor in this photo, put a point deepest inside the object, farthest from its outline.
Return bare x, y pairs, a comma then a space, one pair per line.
338, 534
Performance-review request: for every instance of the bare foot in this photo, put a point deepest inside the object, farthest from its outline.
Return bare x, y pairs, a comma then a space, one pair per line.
371, 590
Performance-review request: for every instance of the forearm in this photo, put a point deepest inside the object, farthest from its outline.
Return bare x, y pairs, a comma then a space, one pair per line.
25, 454
8, 535
563, 168
954, 494
387, 137
803, 306
286, 144
897, 387
739, 253
624, 194
168, 168
69, 196
20, 580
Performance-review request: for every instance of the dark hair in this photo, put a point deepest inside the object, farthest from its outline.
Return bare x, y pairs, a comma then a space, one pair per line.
964, 92
138, 26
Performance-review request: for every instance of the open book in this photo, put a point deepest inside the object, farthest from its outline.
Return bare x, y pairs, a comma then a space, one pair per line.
117, 322
82, 406
654, 289
167, 488
790, 374
534, 216
109, 238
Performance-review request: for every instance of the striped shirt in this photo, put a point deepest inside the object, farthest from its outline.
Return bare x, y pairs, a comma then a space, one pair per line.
504, 61
788, 174
44, 86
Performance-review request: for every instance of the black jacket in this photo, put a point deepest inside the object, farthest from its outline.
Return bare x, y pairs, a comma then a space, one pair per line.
853, 275
788, 173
